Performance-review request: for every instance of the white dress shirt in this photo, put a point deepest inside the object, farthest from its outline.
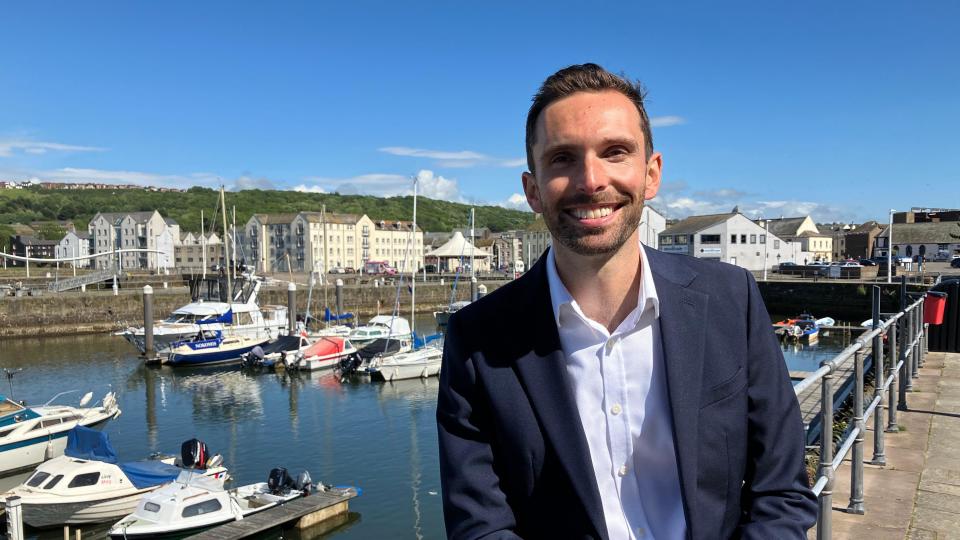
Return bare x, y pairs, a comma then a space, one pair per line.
620, 390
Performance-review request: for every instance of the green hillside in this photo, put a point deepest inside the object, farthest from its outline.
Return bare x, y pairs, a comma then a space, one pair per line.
35, 204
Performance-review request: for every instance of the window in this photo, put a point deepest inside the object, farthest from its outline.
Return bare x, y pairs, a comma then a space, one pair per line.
763, 239
205, 507
709, 238
743, 239
84, 480
54, 482
681, 239
38, 478
151, 507
733, 239
666, 240
753, 239
776, 244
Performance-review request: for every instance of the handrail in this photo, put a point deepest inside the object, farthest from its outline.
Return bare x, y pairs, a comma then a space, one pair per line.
902, 359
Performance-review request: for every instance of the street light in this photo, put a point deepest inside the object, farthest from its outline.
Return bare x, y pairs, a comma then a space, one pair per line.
890, 248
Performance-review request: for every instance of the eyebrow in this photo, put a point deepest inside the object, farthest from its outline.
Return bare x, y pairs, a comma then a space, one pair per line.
610, 141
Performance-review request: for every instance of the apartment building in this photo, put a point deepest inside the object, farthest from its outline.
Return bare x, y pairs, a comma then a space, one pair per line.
189, 256
74, 244
111, 231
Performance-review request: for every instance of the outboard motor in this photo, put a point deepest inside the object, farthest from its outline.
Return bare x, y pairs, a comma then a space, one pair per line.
254, 358
194, 454
279, 480
304, 483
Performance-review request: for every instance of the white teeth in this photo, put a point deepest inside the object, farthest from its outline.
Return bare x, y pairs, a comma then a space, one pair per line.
592, 213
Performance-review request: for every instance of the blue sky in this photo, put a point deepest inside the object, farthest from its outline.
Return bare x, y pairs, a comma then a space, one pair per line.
842, 110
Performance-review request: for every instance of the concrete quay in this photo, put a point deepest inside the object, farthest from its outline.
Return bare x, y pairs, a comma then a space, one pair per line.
916, 495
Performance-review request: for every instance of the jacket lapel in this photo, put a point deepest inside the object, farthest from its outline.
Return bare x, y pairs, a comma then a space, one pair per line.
542, 371
683, 314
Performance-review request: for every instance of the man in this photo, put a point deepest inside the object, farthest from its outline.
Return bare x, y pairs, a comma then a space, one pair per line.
614, 391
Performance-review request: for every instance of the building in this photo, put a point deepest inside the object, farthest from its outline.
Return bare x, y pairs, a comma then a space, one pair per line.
852, 241
457, 253
317, 241
815, 246
326, 240
932, 240
74, 244
925, 215
111, 231
507, 249
652, 223
33, 247
731, 238
189, 256
535, 241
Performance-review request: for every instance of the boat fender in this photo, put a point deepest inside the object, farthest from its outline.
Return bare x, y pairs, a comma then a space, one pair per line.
304, 483
48, 452
215, 461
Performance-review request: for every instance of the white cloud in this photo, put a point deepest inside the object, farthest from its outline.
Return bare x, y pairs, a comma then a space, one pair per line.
9, 146
248, 182
666, 121
387, 185
453, 160
515, 202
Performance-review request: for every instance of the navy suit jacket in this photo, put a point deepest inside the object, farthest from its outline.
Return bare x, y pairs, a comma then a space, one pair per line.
514, 460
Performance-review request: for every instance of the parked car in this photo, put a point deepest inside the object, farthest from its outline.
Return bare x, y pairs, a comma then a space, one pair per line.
338, 270
349, 270
430, 269
955, 263
818, 263
867, 262
851, 264
786, 265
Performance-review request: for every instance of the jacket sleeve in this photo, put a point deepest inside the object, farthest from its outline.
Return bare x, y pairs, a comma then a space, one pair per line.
474, 506
776, 499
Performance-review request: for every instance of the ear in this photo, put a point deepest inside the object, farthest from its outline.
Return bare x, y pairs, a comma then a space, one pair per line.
654, 172
532, 191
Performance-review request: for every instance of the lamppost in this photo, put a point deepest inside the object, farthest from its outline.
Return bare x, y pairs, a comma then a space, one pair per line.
890, 248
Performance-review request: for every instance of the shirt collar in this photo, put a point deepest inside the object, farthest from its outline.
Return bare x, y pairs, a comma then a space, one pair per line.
560, 296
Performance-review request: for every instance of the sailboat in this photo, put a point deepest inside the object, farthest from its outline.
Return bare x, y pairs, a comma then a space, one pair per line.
419, 363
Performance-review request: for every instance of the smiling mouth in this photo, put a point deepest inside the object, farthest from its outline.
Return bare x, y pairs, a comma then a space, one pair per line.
589, 213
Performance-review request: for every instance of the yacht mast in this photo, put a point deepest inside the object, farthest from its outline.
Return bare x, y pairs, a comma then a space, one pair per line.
413, 264
226, 250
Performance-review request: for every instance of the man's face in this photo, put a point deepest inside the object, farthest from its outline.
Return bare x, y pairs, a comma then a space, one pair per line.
592, 174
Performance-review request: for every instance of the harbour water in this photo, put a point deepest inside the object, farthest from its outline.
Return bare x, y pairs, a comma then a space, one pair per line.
378, 436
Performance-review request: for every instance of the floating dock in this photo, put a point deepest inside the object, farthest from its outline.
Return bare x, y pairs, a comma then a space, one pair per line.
299, 513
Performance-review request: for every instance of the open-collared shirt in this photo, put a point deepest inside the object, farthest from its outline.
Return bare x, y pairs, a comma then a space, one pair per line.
619, 386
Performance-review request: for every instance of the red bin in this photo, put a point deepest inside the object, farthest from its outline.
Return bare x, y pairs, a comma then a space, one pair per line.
933, 307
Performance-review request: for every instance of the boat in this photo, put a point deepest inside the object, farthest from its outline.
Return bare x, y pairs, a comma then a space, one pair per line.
371, 352
324, 353
381, 326
31, 435
341, 327
241, 317
89, 485
192, 504
443, 317
210, 347
417, 364
272, 354
801, 328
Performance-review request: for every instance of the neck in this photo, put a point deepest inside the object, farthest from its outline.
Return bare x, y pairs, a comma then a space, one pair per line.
604, 286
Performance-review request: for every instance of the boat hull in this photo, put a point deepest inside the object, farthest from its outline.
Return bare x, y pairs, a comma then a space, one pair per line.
26, 455
80, 512
208, 357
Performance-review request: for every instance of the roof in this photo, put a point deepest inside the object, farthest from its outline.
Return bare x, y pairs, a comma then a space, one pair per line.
268, 219
810, 234
865, 227
34, 241
924, 233
457, 246
783, 227
330, 217
694, 224
170, 221
388, 225
114, 217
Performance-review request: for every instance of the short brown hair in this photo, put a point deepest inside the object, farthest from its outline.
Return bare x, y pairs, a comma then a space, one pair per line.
585, 78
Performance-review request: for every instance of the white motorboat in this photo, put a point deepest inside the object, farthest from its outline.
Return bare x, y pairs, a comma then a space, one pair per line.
421, 363
241, 317
374, 351
192, 504
89, 485
381, 326
31, 435
324, 353
272, 355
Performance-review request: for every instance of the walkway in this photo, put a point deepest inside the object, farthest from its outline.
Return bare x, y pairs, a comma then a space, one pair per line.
917, 494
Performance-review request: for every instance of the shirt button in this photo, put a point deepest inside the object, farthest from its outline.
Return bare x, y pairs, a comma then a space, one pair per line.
622, 471
616, 409
641, 532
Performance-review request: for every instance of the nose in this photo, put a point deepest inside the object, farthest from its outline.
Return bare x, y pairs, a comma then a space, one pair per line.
593, 177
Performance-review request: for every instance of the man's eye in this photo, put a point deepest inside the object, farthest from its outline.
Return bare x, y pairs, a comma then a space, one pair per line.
617, 151
560, 158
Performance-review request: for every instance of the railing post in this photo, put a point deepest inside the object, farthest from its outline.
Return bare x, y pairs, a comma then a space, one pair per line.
909, 354
918, 329
824, 521
892, 377
856, 469
878, 455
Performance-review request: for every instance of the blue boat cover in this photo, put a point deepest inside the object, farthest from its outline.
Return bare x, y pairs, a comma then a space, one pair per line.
226, 318
146, 474
329, 316
420, 342
86, 443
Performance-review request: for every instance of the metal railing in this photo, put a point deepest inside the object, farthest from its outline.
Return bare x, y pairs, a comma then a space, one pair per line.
905, 346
